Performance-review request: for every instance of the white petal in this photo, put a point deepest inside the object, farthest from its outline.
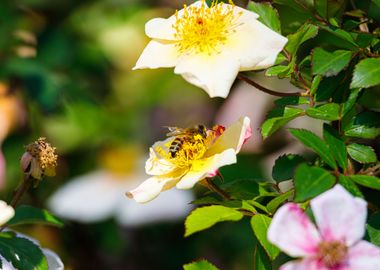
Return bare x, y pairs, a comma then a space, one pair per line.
339, 215
292, 231
171, 205
206, 168
156, 165
88, 198
159, 28
152, 187
54, 262
306, 264
364, 256
6, 212
157, 54
255, 45
215, 74
233, 137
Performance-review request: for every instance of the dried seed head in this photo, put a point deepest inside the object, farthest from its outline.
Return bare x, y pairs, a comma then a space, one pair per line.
39, 159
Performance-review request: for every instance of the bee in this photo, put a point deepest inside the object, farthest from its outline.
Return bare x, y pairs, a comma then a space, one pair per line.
183, 135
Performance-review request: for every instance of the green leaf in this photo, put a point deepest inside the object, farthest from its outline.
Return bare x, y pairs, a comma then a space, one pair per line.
260, 259
350, 186
200, 265
312, 141
30, 215
311, 181
304, 33
205, 217
260, 224
350, 103
329, 64
336, 145
21, 252
278, 118
315, 83
328, 9
330, 111
344, 39
373, 229
280, 71
366, 180
361, 153
276, 202
268, 15
366, 73
291, 101
242, 189
364, 125
285, 166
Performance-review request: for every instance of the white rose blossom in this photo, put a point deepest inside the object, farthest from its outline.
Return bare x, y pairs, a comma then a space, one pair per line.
196, 159
208, 46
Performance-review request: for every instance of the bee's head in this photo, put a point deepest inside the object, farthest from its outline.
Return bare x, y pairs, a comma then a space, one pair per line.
201, 129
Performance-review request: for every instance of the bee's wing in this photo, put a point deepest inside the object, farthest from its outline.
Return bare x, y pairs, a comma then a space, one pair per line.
175, 131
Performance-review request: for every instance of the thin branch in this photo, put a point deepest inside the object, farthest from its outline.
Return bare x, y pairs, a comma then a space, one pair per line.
25, 185
268, 91
211, 185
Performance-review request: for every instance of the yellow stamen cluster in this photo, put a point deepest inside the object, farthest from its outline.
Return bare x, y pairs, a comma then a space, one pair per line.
332, 253
43, 152
202, 29
192, 148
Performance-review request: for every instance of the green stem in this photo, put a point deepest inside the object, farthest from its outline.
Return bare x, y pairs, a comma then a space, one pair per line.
211, 185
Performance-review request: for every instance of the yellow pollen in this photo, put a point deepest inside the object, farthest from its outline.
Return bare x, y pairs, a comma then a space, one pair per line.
203, 29
332, 254
192, 148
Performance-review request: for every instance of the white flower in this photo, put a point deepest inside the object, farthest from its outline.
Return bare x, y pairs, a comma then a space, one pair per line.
100, 194
197, 159
208, 46
335, 244
6, 212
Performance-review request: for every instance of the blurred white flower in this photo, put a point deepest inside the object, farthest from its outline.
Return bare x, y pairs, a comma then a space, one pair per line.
100, 194
208, 46
6, 212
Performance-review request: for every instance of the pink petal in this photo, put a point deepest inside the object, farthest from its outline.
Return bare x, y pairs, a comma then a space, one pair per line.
364, 256
307, 264
340, 216
292, 231
233, 137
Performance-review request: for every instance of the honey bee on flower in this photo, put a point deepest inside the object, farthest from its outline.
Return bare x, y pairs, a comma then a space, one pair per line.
189, 156
208, 46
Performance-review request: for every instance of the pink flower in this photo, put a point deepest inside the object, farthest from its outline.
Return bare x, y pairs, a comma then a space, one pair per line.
336, 244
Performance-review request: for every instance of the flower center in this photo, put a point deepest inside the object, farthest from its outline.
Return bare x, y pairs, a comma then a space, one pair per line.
202, 29
190, 148
332, 253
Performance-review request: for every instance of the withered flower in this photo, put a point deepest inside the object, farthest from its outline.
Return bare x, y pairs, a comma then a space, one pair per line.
39, 159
